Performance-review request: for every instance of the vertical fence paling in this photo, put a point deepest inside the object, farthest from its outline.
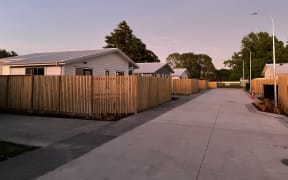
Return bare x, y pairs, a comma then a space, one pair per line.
152, 91
114, 95
20, 94
203, 84
212, 85
283, 92
3, 91
258, 85
185, 86
83, 95
46, 94
75, 94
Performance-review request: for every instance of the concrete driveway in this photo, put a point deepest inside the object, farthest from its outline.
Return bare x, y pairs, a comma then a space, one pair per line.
216, 136
42, 131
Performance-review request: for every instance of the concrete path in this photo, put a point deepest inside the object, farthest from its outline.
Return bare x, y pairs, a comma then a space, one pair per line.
216, 136
64, 139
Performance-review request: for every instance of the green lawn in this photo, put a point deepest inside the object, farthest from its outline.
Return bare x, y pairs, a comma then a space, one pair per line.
9, 150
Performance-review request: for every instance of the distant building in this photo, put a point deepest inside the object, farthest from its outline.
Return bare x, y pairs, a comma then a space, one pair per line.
154, 69
281, 69
109, 61
180, 73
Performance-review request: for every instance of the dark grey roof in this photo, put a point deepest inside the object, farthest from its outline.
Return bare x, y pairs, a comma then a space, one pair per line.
178, 72
63, 57
150, 68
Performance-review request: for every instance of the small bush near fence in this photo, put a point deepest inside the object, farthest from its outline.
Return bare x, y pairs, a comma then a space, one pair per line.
84, 96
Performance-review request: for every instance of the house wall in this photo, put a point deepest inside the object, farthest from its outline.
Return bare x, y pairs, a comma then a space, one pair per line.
17, 71
5, 70
268, 74
48, 70
53, 70
164, 72
184, 75
112, 62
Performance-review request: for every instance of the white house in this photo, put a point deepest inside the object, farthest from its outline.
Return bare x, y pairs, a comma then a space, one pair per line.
180, 73
281, 69
109, 61
154, 69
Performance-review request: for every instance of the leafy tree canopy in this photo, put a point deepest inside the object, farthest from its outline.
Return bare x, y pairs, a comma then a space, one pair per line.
198, 65
123, 38
4, 53
260, 45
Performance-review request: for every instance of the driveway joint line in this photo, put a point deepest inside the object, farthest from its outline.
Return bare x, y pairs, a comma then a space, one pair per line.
208, 143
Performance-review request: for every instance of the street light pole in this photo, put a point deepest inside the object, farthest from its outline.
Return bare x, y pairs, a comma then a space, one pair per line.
250, 73
243, 72
250, 57
274, 57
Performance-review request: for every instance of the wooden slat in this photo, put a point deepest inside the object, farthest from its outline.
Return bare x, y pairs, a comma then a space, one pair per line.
3, 92
46, 94
20, 93
212, 85
258, 85
203, 84
283, 92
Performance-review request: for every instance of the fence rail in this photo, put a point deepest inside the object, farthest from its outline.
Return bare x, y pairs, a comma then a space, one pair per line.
85, 96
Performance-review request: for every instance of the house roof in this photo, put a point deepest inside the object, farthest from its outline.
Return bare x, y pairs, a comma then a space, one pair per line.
63, 57
280, 68
150, 68
178, 72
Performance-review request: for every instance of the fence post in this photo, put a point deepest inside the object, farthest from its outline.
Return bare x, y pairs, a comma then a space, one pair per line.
32, 93
7, 95
92, 107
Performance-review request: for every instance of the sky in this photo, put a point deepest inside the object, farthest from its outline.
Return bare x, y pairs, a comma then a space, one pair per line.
212, 27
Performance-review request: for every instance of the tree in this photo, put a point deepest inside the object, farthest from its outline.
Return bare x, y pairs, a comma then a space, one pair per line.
198, 65
4, 53
123, 38
223, 75
260, 45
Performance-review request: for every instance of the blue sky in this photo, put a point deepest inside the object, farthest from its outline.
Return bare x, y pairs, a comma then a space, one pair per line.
213, 27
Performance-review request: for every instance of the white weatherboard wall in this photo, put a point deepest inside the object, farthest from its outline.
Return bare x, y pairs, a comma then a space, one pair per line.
17, 70
53, 70
112, 62
5, 70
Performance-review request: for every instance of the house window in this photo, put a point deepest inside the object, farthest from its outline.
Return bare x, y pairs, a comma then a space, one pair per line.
106, 72
130, 71
34, 71
83, 71
119, 73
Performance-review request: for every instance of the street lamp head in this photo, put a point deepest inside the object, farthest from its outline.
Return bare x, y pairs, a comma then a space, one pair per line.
256, 13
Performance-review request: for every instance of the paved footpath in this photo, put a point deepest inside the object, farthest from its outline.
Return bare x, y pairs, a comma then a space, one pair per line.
216, 136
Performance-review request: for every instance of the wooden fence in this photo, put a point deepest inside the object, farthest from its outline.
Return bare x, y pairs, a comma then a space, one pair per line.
85, 96
185, 86
258, 85
203, 84
212, 85
282, 82
283, 92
